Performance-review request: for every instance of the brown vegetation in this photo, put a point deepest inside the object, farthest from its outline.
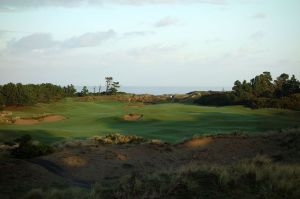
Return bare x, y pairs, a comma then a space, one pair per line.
119, 159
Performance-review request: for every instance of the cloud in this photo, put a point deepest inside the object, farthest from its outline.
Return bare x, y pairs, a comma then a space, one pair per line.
32, 42
4, 32
88, 39
138, 33
139, 2
153, 49
5, 9
257, 36
167, 21
211, 41
11, 5
259, 15
44, 41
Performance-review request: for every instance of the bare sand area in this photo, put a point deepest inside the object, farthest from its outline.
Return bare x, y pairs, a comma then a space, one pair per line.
132, 117
32, 121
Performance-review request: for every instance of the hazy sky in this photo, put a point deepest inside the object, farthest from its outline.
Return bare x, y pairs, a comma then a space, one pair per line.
147, 42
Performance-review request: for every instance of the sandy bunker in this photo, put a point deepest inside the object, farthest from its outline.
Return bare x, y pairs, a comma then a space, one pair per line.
136, 105
31, 121
132, 117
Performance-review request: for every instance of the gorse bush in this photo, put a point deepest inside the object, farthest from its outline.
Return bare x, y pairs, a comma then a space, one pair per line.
217, 99
28, 148
118, 139
290, 102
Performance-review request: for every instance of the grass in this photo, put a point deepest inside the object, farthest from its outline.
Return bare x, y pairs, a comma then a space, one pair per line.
254, 178
169, 122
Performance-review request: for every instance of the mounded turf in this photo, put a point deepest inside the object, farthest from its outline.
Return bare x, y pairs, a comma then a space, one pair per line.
169, 122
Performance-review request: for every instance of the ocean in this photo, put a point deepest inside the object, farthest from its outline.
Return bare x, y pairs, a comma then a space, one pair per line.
156, 90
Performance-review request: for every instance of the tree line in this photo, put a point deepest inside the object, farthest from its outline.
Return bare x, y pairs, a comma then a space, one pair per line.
260, 92
264, 86
28, 94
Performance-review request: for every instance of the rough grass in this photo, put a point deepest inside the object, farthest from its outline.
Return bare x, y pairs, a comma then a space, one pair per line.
254, 178
169, 121
70, 193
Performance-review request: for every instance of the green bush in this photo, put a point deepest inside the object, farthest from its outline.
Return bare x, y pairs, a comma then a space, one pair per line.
290, 102
228, 98
217, 99
28, 148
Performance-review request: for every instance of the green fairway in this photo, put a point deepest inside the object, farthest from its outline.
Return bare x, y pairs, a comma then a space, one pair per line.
169, 122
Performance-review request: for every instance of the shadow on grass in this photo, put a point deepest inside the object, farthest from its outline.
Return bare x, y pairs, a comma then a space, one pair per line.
41, 135
204, 123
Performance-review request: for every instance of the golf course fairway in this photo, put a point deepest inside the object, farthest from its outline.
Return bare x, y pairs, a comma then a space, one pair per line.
168, 121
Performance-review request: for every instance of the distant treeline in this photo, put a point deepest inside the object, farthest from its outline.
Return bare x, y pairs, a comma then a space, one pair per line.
19, 94
260, 92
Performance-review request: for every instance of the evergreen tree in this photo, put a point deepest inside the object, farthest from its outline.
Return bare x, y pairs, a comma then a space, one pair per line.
111, 86
84, 91
262, 85
108, 81
291, 86
278, 84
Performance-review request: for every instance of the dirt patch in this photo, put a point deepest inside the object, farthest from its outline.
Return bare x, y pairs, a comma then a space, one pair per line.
32, 121
26, 121
121, 156
74, 161
16, 108
198, 142
5, 113
132, 117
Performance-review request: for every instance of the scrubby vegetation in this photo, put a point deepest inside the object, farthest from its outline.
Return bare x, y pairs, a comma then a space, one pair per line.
255, 178
260, 92
28, 148
118, 139
73, 193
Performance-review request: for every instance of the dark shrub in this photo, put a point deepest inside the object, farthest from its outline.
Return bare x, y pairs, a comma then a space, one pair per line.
291, 102
217, 99
28, 148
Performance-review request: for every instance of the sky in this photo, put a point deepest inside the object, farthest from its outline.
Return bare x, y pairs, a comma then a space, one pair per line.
205, 43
